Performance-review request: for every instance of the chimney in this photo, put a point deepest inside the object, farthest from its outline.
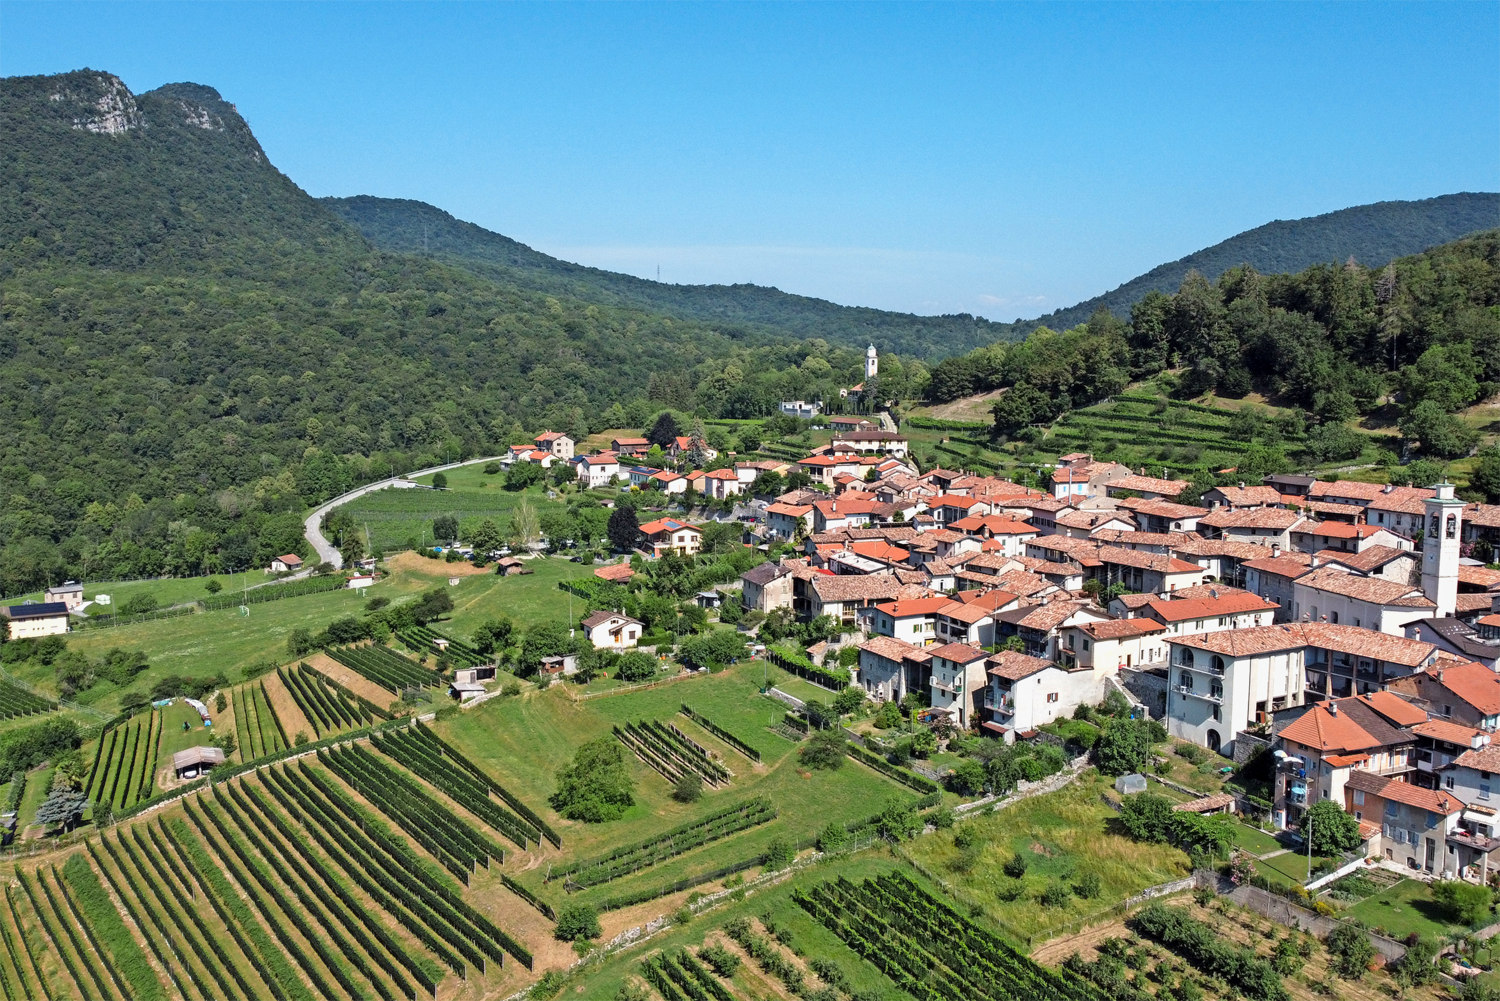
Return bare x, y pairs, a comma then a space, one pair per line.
1312, 562
1333, 707
1275, 550
1242, 484
1388, 488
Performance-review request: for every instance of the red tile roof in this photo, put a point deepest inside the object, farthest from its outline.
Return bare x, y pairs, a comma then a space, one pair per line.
1014, 666
1325, 730
1184, 609
958, 653
1394, 708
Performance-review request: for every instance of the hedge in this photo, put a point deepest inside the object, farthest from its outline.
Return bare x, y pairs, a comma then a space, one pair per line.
884, 767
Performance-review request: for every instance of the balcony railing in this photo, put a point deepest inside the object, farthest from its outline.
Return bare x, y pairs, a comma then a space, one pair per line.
1208, 696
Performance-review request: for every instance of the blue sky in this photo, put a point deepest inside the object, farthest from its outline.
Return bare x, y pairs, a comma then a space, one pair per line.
1001, 159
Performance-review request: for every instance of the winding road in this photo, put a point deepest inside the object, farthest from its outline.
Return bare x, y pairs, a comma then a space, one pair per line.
312, 528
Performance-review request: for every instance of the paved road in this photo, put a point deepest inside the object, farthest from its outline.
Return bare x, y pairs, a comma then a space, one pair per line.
312, 527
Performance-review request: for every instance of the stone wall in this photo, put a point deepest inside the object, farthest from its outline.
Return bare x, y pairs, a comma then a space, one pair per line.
1147, 688
1248, 745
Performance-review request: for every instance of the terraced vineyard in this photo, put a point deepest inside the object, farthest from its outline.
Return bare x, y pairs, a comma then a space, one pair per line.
383, 666
125, 762
671, 752
928, 949
422, 755
422, 639
257, 730
628, 859
449, 839
327, 707
17, 701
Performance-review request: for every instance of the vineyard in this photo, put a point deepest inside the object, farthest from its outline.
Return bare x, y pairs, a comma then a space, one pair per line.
422, 756
17, 701
124, 770
928, 949
423, 640
257, 730
325, 706
671, 752
721, 733
629, 859
383, 666
456, 845
680, 977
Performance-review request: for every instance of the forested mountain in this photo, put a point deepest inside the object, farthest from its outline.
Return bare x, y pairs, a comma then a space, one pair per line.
194, 349
1371, 234
1333, 340
407, 226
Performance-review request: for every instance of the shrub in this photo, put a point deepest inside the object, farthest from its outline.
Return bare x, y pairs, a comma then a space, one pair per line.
1349, 951
888, 716
689, 788
577, 921
636, 666
1089, 886
780, 853
724, 962
833, 837
1465, 903
1015, 866
1055, 895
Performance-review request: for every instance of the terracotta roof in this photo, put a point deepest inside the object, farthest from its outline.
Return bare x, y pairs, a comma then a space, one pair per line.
1042, 618
856, 587
1394, 708
1022, 583
1249, 496
1149, 485
790, 510
1144, 560
667, 525
993, 525
1338, 530
992, 599
1184, 609
1243, 551
1367, 561
895, 650
1468, 603
1162, 508
1045, 567
1325, 730
1446, 730
1474, 683
965, 613
1375, 590
958, 653
1217, 801
1486, 758
621, 571
601, 617
1329, 508
1206, 591
1345, 760
1346, 488
1431, 800
1366, 643
1271, 518
1483, 515
1134, 601
915, 606
1116, 629
1014, 666
1285, 565
1478, 576
879, 549
1127, 538
1246, 642
1091, 520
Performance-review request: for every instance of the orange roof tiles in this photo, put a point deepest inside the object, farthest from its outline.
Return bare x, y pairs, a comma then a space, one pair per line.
958, 653
1325, 730
1014, 666
914, 606
1116, 629
1184, 609
1474, 683
1394, 708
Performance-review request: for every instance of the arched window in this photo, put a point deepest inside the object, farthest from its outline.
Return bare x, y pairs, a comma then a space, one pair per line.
1452, 529
1186, 680
1186, 657
1219, 663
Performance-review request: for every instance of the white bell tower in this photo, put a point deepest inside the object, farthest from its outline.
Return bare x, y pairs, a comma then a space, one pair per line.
872, 362
1440, 542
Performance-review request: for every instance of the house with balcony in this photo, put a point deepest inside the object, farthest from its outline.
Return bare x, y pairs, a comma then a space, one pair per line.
958, 681
964, 623
670, 535
1472, 777
912, 621
850, 600
1439, 744
1419, 828
1039, 626
1340, 661
1334, 595
1111, 644
1328, 741
1141, 571
1023, 693
890, 668
1163, 515
1221, 683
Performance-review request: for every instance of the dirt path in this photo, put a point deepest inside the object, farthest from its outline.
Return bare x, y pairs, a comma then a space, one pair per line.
410, 562
292, 720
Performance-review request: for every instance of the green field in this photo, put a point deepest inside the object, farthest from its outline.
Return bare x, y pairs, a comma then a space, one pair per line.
257, 731
1254, 841
395, 518
1061, 835
1404, 909
1292, 864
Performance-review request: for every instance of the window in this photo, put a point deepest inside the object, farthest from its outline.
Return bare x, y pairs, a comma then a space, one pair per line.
1217, 717
1051, 696
1085, 646
1452, 529
1484, 790
1448, 782
1359, 797
1390, 808
1334, 618
1186, 680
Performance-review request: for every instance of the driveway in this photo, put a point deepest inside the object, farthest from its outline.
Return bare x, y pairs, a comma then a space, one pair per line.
312, 527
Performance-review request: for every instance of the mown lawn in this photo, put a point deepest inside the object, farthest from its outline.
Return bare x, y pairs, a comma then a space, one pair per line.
397, 518
1403, 909
1293, 865
1254, 841
523, 741
1061, 836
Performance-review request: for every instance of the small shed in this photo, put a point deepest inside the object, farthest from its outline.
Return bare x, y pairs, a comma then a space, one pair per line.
508, 566
709, 599
1127, 785
463, 691
474, 675
362, 580
196, 761
453, 581
555, 667
1220, 802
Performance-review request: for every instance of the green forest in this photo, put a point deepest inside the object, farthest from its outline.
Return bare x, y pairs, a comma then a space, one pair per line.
199, 350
